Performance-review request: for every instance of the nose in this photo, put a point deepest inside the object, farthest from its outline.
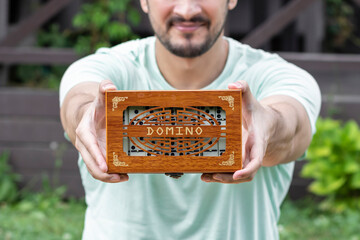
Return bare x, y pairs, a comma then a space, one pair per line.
187, 8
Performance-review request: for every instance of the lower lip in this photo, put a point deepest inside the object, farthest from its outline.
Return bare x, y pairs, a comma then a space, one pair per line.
187, 29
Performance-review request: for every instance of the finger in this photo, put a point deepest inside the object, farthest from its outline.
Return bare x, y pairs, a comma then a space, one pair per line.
104, 86
249, 171
249, 102
229, 178
207, 177
226, 178
245, 89
96, 172
86, 139
244, 139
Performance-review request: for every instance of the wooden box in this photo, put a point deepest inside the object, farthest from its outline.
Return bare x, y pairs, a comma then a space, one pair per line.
173, 131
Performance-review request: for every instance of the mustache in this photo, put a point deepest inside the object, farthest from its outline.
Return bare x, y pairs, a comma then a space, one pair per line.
179, 19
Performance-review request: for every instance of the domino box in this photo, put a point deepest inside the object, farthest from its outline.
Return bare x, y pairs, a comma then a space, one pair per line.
173, 131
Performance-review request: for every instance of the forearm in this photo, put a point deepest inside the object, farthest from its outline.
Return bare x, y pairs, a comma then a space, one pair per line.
290, 131
75, 105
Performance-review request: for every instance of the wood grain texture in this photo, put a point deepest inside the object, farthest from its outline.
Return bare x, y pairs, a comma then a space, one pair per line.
172, 131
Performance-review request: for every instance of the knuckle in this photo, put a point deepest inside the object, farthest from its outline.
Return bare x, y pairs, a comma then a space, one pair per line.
228, 180
78, 131
244, 83
107, 178
101, 177
95, 176
249, 179
77, 145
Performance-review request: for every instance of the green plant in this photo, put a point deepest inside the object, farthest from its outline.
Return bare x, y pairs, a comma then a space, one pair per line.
52, 190
303, 219
334, 163
104, 23
8, 180
101, 23
340, 27
53, 36
39, 76
42, 216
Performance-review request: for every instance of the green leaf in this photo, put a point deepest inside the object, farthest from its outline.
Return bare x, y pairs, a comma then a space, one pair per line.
308, 170
80, 21
83, 45
351, 166
134, 16
322, 188
8, 189
355, 181
101, 45
118, 5
322, 151
100, 19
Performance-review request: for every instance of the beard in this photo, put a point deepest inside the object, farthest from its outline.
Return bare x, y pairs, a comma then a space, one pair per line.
189, 49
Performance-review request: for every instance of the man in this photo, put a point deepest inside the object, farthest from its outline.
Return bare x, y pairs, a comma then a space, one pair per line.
280, 106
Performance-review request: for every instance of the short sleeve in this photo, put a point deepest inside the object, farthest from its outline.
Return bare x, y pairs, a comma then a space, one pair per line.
93, 68
278, 77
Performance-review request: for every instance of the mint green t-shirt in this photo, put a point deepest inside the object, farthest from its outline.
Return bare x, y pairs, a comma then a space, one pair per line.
154, 206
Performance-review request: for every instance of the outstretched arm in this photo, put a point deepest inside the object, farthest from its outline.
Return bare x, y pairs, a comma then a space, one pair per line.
275, 130
83, 118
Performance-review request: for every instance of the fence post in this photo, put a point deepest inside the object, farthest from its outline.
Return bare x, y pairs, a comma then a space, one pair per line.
276, 23
4, 18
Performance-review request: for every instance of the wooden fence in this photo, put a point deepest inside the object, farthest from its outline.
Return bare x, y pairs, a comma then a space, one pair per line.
260, 20
30, 127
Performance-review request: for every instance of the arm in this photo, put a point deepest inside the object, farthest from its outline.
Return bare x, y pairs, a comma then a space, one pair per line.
83, 118
275, 130
291, 131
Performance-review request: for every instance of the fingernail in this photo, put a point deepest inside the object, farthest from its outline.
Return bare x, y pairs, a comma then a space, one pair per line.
238, 84
236, 176
123, 177
107, 87
115, 178
103, 167
206, 178
217, 177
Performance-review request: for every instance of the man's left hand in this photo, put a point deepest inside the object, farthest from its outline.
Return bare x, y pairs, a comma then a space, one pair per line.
256, 123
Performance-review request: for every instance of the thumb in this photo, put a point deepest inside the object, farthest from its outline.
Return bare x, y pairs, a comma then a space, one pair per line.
104, 86
248, 100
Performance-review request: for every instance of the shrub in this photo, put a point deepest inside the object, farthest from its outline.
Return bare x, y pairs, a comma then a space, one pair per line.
8, 180
340, 26
334, 163
102, 23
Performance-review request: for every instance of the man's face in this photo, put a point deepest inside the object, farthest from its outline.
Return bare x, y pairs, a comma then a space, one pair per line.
187, 28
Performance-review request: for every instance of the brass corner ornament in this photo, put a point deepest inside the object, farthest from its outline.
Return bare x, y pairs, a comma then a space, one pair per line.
230, 161
116, 100
230, 99
116, 161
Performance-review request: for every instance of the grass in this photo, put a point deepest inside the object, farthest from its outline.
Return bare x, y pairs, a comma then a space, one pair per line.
304, 220
44, 216
40, 216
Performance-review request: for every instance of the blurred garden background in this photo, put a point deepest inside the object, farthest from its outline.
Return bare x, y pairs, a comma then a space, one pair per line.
41, 196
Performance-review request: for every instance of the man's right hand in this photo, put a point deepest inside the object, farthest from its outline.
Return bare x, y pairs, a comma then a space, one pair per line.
90, 134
